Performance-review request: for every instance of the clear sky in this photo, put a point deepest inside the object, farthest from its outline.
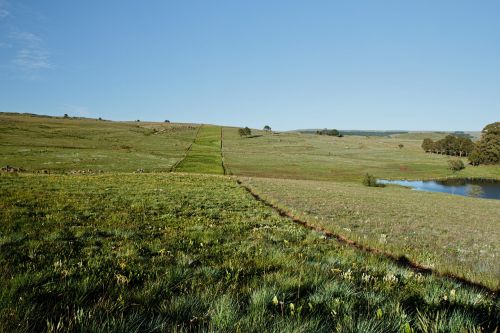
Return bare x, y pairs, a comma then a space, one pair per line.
412, 65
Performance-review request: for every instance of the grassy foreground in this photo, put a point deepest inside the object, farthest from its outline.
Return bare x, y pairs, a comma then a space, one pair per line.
457, 235
177, 252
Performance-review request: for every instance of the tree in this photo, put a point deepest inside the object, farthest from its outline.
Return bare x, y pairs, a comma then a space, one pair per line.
244, 131
267, 128
66, 115
167, 121
332, 132
487, 150
428, 145
401, 146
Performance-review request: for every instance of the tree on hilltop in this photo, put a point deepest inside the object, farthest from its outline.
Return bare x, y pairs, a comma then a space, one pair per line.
244, 131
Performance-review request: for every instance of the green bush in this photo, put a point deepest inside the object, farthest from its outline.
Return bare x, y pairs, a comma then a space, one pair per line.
456, 165
244, 131
370, 180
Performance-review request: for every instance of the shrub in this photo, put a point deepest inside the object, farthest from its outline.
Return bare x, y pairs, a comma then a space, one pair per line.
245, 131
456, 165
370, 180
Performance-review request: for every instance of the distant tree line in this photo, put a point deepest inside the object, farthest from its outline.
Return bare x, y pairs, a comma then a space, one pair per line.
485, 151
332, 132
450, 145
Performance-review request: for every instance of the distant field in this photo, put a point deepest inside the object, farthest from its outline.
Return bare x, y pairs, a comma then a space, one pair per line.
347, 159
181, 253
452, 234
64, 145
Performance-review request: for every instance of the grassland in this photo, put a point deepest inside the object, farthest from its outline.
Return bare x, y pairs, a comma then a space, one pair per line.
178, 252
66, 145
457, 235
204, 156
347, 159
191, 250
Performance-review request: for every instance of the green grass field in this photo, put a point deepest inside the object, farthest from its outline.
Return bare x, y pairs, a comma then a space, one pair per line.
347, 159
184, 248
66, 145
457, 235
176, 252
204, 155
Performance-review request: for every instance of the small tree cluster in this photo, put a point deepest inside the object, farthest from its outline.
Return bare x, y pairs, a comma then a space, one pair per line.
267, 128
450, 145
244, 131
332, 132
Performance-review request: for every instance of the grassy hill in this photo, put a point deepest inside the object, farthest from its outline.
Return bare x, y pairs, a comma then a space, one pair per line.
65, 145
89, 244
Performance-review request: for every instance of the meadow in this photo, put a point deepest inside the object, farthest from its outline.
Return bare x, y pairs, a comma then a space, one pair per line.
204, 156
346, 159
88, 243
455, 235
179, 252
40, 144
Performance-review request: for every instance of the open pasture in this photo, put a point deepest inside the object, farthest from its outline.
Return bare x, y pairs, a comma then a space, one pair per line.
346, 159
65, 145
184, 253
456, 235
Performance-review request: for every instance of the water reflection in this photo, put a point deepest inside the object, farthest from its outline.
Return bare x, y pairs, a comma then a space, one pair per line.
468, 188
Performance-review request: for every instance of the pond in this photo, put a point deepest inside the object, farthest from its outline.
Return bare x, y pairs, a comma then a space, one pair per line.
464, 187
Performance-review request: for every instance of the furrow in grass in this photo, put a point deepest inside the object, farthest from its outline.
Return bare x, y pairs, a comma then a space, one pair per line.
402, 260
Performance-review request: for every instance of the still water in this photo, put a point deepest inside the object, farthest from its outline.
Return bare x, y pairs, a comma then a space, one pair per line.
468, 188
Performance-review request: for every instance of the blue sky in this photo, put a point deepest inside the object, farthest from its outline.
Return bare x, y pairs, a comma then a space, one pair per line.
413, 65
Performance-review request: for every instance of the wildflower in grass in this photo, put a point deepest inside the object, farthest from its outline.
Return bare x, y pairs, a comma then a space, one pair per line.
58, 264
366, 278
383, 239
122, 279
390, 278
379, 313
347, 275
452, 294
275, 300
